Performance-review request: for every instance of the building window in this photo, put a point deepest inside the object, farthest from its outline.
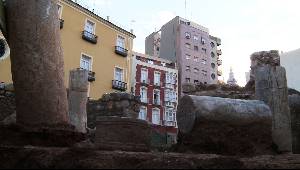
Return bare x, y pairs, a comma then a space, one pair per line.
170, 78
196, 58
212, 45
188, 45
196, 48
213, 65
59, 8
203, 41
203, 61
157, 78
143, 94
196, 38
187, 80
150, 61
196, 81
188, 35
196, 70
86, 62
144, 75
204, 50
156, 97
213, 76
156, 116
143, 113
170, 115
121, 41
212, 54
89, 27
188, 68
119, 74
187, 56
204, 73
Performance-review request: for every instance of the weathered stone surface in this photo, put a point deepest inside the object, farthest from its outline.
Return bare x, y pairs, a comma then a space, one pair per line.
294, 103
224, 126
113, 104
7, 105
82, 158
115, 133
78, 89
10, 120
37, 63
271, 87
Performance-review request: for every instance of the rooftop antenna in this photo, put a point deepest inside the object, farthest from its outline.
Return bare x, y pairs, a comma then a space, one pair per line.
94, 5
185, 8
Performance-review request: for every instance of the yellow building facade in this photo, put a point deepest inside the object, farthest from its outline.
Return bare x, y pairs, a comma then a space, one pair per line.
93, 43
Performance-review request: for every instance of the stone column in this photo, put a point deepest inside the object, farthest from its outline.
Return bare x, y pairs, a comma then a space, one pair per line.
271, 87
37, 63
78, 89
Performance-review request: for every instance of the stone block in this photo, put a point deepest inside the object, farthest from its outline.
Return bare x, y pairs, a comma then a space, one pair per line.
126, 134
213, 125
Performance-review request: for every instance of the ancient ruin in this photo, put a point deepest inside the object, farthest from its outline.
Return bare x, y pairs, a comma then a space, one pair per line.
77, 97
37, 64
271, 87
117, 126
224, 126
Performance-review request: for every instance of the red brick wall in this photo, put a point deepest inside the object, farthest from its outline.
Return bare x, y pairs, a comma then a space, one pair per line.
150, 89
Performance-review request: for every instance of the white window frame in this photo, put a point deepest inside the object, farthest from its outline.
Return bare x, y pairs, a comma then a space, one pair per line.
117, 41
145, 114
144, 70
144, 99
187, 56
156, 122
168, 117
91, 59
123, 73
60, 11
89, 20
157, 81
156, 91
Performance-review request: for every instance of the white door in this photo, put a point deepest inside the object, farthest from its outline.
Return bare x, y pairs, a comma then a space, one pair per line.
121, 42
86, 63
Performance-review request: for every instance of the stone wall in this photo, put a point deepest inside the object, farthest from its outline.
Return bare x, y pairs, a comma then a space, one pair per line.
114, 104
7, 104
294, 102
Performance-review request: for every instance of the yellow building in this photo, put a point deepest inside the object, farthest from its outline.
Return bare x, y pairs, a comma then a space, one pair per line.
93, 43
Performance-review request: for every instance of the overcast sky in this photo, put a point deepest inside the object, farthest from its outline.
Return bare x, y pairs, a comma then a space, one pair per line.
245, 26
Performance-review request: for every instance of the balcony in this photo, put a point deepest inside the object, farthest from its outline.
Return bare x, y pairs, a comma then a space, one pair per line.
170, 123
220, 62
219, 52
156, 102
145, 83
169, 104
61, 23
91, 77
89, 37
119, 85
121, 51
220, 73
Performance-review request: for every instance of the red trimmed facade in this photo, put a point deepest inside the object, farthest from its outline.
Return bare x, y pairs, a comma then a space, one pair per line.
146, 84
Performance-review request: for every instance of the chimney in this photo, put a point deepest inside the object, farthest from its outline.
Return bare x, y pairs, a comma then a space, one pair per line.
131, 30
107, 18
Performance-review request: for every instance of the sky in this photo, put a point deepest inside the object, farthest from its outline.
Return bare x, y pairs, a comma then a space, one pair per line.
245, 26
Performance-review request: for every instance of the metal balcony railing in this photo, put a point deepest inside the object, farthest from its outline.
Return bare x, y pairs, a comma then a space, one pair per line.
220, 62
119, 85
121, 51
61, 23
90, 37
91, 76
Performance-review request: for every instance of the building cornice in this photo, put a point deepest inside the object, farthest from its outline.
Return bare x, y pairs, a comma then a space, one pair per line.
102, 20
